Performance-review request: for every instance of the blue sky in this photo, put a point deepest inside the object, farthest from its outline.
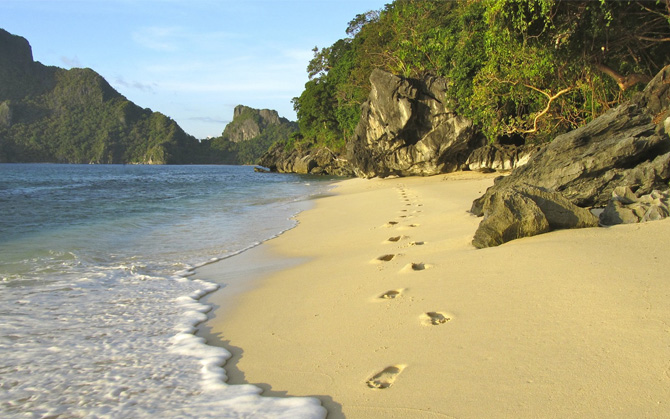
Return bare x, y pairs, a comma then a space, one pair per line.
193, 60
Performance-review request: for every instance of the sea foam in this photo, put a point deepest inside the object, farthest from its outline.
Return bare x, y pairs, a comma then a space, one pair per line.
98, 309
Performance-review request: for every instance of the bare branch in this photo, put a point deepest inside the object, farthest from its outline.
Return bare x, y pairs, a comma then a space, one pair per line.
646, 38
544, 111
650, 10
624, 82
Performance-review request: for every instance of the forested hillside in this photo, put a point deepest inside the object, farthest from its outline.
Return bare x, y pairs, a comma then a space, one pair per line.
522, 70
48, 114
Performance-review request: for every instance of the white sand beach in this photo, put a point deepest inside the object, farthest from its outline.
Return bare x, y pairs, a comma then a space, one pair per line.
378, 304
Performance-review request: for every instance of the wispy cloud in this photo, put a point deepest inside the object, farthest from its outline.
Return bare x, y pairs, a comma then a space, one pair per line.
227, 87
158, 38
209, 120
134, 85
70, 61
177, 38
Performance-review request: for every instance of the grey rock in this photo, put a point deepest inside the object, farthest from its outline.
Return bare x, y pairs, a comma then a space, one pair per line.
305, 160
626, 208
524, 210
498, 157
304, 165
405, 129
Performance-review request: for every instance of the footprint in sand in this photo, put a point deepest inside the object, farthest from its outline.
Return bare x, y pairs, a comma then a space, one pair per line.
416, 266
391, 294
385, 378
435, 318
390, 224
386, 258
395, 238
417, 243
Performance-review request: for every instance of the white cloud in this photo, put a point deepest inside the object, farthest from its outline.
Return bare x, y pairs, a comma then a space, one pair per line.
70, 62
158, 38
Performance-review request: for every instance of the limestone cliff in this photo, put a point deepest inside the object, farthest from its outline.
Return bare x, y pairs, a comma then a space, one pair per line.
249, 123
406, 129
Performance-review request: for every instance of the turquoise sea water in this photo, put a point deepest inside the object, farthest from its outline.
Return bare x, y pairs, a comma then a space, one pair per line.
97, 313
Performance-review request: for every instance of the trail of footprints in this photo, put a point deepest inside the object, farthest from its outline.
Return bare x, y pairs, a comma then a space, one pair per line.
386, 377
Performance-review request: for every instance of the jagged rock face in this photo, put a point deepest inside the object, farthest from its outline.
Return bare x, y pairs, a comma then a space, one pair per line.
492, 157
249, 123
268, 116
405, 129
310, 160
523, 210
626, 146
17, 68
15, 52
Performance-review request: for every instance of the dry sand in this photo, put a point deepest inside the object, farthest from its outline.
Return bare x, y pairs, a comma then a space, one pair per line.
391, 313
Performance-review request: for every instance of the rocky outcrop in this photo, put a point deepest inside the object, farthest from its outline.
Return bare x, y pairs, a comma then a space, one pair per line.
522, 211
16, 62
305, 159
499, 157
406, 129
626, 146
625, 207
249, 123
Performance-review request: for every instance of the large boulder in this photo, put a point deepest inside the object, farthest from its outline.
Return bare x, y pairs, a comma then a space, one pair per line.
524, 210
626, 146
406, 129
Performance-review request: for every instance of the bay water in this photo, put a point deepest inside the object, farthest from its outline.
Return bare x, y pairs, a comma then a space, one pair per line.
97, 311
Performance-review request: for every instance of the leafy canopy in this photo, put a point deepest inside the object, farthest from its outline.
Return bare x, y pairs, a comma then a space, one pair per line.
521, 69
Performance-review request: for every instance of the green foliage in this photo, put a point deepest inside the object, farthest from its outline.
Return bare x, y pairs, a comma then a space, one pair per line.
75, 116
525, 68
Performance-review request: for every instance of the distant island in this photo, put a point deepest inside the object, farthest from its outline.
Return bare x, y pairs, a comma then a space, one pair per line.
49, 114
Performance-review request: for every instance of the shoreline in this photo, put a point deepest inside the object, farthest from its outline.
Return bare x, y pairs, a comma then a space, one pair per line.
377, 304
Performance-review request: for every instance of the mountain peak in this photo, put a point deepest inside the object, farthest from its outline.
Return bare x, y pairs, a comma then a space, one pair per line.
249, 123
